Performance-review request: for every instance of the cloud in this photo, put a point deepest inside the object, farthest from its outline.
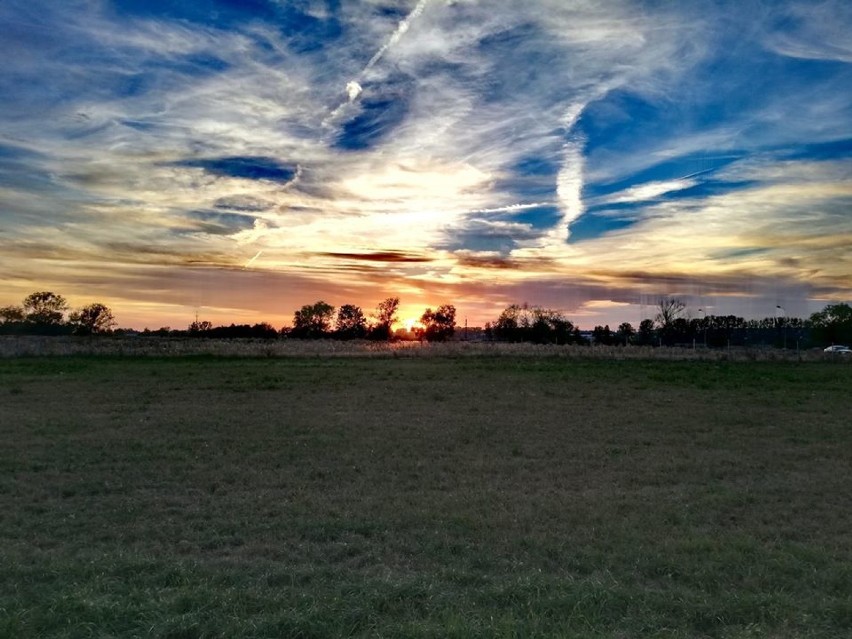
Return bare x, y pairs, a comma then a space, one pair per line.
752, 232
241, 202
353, 90
521, 267
219, 222
394, 257
569, 189
378, 114
812, 31
648, 191
338, 140
491, 234
484, 259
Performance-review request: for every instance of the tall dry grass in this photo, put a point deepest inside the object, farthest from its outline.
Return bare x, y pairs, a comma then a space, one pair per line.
32, 346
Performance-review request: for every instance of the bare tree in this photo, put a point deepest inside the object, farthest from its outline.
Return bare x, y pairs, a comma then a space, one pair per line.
670, 309
669, 319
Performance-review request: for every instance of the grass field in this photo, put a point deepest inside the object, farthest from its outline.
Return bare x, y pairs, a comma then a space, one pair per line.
424, 497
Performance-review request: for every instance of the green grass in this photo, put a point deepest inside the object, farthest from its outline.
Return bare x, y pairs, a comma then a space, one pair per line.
424, 497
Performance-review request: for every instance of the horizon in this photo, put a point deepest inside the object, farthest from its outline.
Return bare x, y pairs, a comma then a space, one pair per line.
235, 161
407, 320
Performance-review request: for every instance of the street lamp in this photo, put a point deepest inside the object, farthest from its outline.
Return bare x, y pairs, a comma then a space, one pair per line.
704, 324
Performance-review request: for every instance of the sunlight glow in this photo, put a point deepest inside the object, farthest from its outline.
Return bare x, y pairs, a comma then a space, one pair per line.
580, 156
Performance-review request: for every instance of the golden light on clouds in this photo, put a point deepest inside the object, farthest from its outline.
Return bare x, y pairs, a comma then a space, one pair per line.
585, 157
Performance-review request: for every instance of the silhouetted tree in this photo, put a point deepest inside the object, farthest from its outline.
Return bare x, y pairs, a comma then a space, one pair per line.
199, 329
523, 323
833, 324
670, 309
551, 326
625, 333
602, 335
645, 336
722, 330
488, 331
681, 331
312, 320
439, 325
385, 316
351, 323
44, 308
240, 331
511, 324
12, 314
94, 319
778, 331
264, 330
12, 320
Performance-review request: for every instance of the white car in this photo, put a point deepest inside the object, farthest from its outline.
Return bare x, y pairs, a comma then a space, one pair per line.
837, 348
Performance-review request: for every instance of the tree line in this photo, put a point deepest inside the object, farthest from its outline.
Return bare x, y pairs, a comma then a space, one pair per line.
44, 313
322, 320
47, 313
319, 320
672, 326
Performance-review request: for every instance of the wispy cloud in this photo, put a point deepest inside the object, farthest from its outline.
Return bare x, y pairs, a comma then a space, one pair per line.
812, 31
648, 191
336, 144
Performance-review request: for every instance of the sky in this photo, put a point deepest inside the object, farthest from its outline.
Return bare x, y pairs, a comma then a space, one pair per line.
237, 159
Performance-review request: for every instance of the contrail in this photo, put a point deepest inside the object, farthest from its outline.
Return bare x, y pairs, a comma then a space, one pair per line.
692, 175
400, 31
514, 207
251, 261
353, 87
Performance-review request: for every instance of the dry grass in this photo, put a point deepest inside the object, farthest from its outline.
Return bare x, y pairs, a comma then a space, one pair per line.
424, 497
178, 346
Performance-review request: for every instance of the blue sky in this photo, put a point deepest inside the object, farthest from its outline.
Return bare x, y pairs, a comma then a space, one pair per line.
240, 159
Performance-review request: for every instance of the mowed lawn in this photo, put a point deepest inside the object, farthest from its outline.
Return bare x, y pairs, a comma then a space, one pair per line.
445, 497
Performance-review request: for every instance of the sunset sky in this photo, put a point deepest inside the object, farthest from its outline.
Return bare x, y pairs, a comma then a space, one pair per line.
238, 159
